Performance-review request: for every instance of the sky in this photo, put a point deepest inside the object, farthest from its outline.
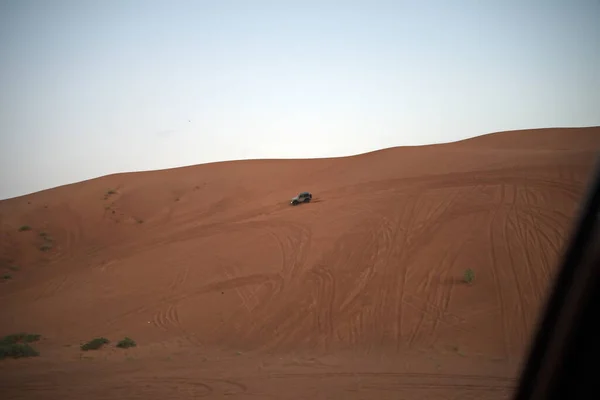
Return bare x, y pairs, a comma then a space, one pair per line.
90, 88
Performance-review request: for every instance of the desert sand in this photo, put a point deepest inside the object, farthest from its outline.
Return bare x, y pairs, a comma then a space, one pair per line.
229, 290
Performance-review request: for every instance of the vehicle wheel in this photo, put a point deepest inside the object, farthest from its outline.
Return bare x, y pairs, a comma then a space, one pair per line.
307, 200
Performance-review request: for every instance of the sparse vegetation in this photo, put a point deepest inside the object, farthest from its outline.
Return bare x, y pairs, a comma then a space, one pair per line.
46, 247
21, 337
6, 277
24, 228
459, 351
14, 267
47, 244
109, 193
469, 276
94, 344
17, 350
17, 345
126, 343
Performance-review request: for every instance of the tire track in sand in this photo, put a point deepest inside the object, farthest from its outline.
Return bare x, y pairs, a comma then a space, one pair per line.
324, 300
53, 286
293, 241
446, 285
249, 295
439, 295
199, 387
333, 310
318, 313
382, 312
167, 317
520, 308
452, 384
381, 242
535, 280
422, 233
551, 226
494, 271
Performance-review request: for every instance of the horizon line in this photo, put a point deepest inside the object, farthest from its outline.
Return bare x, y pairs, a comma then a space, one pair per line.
237, 160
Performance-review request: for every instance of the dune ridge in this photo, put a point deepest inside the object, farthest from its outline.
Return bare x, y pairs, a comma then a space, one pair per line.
359, 293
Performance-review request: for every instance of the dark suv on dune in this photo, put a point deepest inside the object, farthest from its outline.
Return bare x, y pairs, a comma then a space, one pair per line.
303, 197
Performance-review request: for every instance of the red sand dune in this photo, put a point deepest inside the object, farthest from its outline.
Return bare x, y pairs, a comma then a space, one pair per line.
228, 289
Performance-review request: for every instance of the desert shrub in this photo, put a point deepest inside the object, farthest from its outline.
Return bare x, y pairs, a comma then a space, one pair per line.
24, 228
126, 343
17, 350
94, 344
46, 247
17, 345
6, 277
469, 275
21, 337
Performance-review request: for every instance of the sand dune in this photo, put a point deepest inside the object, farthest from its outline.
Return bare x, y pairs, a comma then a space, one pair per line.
227, 289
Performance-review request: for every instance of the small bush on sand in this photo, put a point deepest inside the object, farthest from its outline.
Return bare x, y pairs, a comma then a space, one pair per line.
46, 247
17, 345
94, 344
469, 276
126, 343
17, 350
6, 277
21, 337
24, 228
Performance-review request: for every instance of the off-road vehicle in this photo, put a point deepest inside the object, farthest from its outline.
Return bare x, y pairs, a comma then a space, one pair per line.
303, 197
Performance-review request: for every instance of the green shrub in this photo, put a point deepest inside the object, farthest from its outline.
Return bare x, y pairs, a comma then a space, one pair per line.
17, 345
46, 247
17, 350
469, 276
126, 343
24, 228
21, 337
94, 344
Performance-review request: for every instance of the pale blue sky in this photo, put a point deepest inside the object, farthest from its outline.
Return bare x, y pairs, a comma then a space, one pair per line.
89, 88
